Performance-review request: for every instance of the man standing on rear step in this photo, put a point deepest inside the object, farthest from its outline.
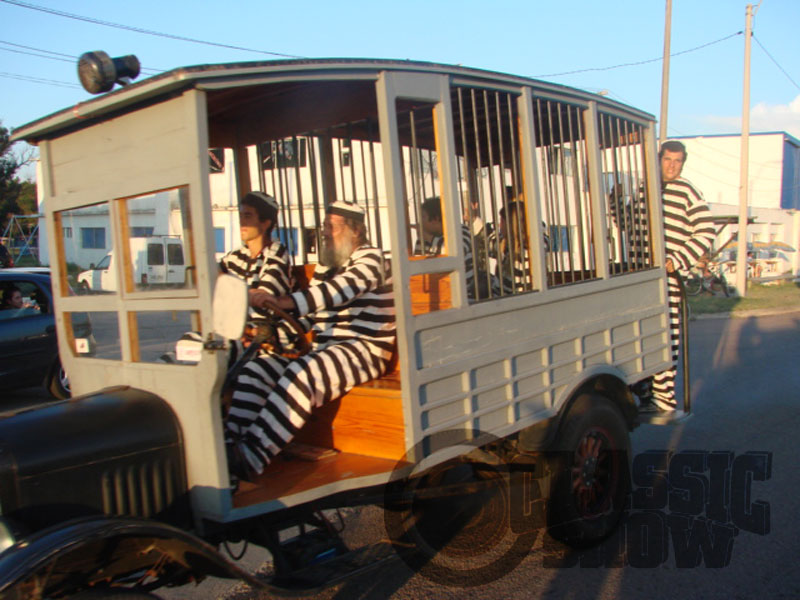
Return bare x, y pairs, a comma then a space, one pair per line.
689, 232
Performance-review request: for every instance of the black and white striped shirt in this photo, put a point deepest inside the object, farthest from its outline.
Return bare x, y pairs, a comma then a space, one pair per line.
268, 271
689, 229
688, 224
350, 302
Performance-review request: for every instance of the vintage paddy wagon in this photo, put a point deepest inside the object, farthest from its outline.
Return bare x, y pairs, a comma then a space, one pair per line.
519, 339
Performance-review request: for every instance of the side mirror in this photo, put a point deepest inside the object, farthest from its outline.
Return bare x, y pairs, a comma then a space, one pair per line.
230, 306
91, 266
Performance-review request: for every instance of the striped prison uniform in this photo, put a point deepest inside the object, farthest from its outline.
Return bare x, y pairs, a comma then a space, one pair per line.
689, 232
515, 277
269, 270
350, 310
435, 246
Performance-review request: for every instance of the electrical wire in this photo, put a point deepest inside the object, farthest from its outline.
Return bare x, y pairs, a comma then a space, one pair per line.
57, 55
54, 82
171, 36
794, 83
631, 64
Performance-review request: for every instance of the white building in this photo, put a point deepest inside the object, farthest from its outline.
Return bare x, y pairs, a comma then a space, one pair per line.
713, 166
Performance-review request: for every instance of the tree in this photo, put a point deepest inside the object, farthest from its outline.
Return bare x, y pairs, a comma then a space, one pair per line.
15, 194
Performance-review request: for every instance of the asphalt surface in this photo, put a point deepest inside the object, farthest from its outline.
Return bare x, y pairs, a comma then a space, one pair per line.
744, 383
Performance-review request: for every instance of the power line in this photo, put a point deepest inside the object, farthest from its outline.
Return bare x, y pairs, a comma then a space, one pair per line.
57, 55
776, 63
631, 64
171, 36
54, 82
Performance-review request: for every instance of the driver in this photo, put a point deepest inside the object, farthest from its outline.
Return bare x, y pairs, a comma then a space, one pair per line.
349, 308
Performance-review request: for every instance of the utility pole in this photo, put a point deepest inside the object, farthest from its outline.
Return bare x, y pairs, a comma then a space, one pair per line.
662, 121
741, 258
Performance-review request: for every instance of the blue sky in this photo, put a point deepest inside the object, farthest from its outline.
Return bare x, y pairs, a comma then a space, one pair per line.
535, 38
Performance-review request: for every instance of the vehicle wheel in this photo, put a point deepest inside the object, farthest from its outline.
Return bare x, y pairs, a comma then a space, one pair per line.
83, 288
590, 472
59, 382
719, 286
693, 285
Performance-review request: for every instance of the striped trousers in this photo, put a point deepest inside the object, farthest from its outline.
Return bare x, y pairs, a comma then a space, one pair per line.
274, 396
664, 382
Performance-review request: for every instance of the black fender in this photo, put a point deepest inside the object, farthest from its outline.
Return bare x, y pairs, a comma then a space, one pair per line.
102, 551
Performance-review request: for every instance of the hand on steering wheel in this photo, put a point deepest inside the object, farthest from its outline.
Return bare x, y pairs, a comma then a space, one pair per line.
267, 331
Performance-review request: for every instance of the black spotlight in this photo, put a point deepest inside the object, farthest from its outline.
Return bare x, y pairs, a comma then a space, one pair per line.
98, 72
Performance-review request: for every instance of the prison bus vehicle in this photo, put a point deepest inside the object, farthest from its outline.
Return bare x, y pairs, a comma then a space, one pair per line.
127, 484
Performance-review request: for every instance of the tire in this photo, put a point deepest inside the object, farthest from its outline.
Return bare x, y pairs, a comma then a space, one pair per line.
58, 384
693, 284
719, 286
83, 288
590, 467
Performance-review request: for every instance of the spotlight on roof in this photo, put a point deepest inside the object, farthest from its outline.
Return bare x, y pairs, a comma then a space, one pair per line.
98, 72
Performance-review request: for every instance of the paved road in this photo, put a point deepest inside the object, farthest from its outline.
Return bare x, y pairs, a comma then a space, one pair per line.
745, 385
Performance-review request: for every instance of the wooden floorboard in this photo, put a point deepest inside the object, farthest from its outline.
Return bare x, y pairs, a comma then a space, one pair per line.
286, 477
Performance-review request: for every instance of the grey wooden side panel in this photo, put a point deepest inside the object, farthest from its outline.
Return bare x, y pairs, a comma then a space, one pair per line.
505, 369
128, 155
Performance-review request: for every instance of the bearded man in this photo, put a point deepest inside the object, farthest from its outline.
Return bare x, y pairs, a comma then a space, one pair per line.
349, 308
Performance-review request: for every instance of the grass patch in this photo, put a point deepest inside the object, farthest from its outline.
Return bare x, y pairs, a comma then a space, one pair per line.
785, 294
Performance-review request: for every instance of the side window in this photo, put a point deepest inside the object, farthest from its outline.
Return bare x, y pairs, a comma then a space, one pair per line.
174, 254
625, 192
155, 254
22, 299
564, 195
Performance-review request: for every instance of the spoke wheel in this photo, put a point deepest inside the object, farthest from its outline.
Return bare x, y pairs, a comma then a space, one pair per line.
591, 475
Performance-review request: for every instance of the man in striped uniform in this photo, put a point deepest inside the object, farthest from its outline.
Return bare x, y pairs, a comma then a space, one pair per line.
689, 231
349, 308
262, 262
432, 236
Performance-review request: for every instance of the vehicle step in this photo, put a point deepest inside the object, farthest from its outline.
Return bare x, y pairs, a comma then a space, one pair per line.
331, 571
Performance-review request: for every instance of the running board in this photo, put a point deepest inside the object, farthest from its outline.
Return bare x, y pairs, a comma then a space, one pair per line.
334, 570
670, 417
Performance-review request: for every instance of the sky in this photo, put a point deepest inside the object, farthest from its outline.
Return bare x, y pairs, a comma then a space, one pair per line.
610, 47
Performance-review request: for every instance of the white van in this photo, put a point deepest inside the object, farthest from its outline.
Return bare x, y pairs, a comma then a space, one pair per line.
156, 260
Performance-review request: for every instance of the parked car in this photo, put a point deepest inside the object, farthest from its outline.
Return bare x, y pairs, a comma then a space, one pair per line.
28, 343
6, 260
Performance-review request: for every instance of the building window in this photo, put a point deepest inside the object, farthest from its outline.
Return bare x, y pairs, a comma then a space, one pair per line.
93, 237
558, 238
141, 231
216, 160
67, 232
219, 239
286, 153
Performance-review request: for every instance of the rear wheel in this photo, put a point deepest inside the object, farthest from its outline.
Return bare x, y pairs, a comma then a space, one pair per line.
58, 385
591, 474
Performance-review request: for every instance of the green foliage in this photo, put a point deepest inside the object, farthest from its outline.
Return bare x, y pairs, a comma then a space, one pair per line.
16, 196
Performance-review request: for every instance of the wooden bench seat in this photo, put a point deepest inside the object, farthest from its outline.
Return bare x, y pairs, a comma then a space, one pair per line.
365, 426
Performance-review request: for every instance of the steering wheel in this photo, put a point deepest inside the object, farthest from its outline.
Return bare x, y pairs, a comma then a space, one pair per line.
266, 333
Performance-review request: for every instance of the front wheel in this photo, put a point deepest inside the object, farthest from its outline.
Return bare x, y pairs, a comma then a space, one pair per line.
58, 385
591, 473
